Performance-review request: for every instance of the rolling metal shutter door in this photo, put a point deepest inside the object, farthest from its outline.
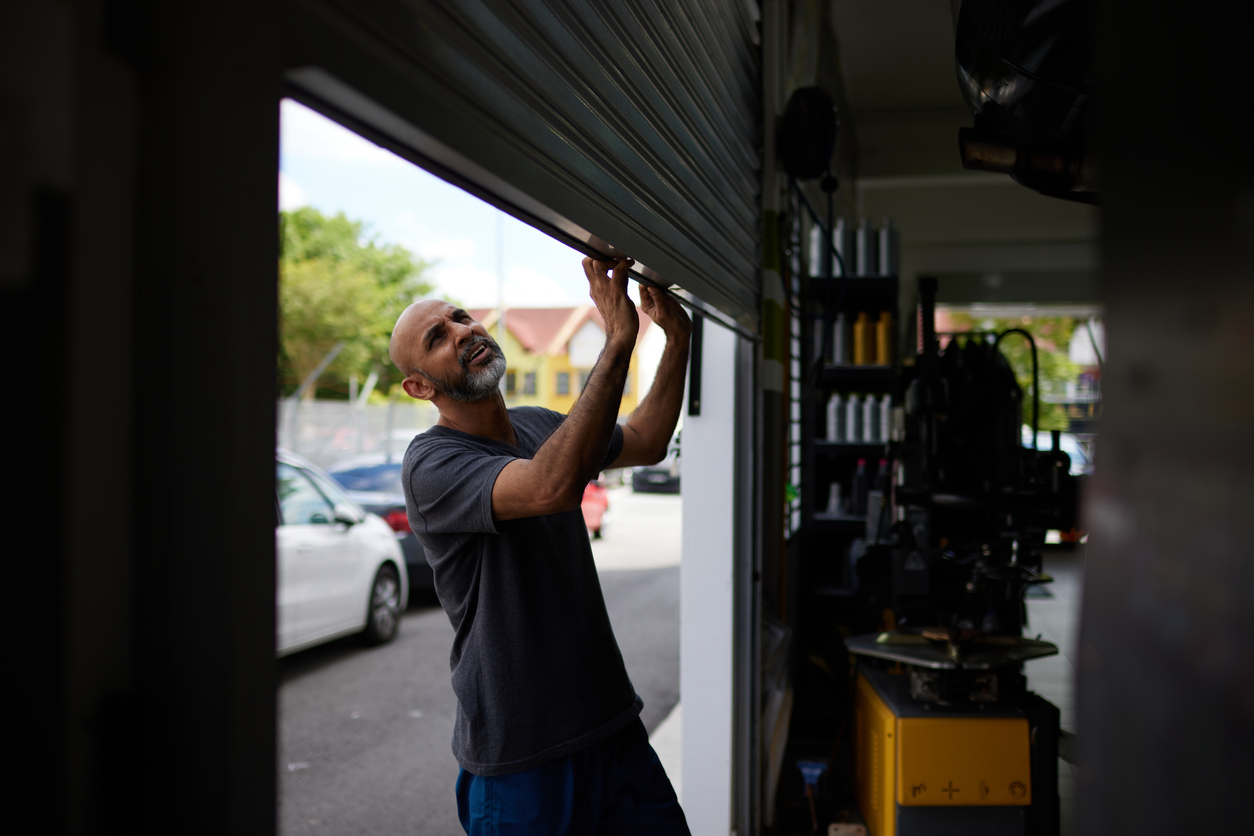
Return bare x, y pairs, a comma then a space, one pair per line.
623, 126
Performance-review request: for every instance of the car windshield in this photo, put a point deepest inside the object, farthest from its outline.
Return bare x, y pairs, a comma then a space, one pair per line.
379, 478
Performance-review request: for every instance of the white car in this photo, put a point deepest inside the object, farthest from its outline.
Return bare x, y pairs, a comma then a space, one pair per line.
340, 569
1081, 460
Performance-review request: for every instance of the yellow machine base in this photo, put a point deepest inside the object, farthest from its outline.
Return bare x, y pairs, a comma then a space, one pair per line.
920, 770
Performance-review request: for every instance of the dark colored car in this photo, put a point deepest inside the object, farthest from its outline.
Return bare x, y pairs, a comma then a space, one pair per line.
662, 477
373, 481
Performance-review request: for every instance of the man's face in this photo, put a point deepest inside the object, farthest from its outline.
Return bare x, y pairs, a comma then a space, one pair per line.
456, 354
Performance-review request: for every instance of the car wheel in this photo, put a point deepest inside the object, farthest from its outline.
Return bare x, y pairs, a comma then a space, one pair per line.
383, 619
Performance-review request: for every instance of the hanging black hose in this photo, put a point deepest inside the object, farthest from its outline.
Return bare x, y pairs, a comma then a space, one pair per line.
1036, 379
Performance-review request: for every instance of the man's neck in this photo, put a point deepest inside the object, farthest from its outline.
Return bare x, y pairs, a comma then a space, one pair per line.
487, 418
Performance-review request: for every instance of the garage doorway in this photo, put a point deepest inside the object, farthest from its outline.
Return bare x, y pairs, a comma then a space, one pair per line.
364, 731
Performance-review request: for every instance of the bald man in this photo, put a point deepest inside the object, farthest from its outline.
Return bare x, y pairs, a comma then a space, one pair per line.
547, 733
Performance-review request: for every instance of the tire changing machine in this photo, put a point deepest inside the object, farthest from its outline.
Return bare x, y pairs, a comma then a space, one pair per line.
947, 738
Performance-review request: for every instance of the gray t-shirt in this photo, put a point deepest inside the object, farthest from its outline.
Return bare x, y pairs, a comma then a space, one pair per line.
536, 669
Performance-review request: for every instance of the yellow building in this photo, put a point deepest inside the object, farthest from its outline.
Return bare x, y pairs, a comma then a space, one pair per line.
551, 351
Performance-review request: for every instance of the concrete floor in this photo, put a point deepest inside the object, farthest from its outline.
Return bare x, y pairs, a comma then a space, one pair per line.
668, 741
364, 732
642, 531
645, 531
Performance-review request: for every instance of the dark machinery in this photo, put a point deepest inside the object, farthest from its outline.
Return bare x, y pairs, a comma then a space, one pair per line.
1025, 68
946, 737
953, 545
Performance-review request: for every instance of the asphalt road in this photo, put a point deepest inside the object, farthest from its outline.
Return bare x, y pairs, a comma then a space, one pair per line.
364, 732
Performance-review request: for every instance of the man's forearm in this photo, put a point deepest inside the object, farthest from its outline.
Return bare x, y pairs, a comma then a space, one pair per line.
574, 453
654, 420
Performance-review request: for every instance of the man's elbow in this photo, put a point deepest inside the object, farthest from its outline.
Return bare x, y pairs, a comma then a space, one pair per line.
555, 499
647, 458
648, 451
656, 452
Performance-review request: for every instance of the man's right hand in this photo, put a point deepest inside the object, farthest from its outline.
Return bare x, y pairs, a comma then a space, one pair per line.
607, 284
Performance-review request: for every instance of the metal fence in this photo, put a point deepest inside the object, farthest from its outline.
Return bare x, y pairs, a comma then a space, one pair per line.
326, 431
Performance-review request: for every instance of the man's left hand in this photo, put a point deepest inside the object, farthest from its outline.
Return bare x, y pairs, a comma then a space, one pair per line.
649, 429
665, 310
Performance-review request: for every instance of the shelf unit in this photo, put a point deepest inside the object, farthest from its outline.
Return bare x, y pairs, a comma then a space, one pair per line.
837, 522
878, 379
825, 570
822, 446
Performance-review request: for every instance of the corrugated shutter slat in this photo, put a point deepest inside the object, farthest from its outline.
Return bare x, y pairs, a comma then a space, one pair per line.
650, 144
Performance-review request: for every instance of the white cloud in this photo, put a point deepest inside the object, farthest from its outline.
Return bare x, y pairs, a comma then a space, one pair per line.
458, 276
447, 249
416, 237
308, 134
525, 287
472, 287
291, 195
477, 288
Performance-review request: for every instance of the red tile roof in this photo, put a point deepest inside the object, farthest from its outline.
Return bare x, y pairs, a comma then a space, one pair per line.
537, 329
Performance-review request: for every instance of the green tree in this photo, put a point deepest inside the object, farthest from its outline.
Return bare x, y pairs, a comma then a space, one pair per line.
338, 283
1053, 339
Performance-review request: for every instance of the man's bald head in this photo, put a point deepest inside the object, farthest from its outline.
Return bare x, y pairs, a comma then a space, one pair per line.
407, 335
441, 349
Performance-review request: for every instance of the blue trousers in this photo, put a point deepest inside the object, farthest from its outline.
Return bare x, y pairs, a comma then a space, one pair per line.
617, 786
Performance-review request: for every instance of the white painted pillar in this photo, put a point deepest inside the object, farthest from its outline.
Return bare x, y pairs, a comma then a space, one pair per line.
707, 629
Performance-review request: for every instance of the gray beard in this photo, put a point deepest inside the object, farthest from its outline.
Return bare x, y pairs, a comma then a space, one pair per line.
474, 386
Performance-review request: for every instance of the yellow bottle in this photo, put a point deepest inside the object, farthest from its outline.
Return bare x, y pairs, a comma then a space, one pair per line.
884, 339
861, 331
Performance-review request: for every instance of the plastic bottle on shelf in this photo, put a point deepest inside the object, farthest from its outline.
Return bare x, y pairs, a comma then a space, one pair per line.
884, 339
888, 249
860, 488
853, 418
870, 420
886, 418
868, 250
835, 408
840, 340
833, 499
861, 327
816, 250
897, 424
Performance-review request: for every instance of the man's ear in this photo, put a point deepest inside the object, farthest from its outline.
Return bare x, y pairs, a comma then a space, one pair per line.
417, 386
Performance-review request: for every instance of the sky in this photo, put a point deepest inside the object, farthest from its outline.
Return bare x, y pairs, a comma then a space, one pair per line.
332, 169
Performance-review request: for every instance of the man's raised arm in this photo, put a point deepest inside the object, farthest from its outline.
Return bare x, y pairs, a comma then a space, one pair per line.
648, 431
554, 479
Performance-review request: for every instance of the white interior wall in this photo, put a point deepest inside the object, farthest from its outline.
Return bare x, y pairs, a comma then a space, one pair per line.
706, 589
